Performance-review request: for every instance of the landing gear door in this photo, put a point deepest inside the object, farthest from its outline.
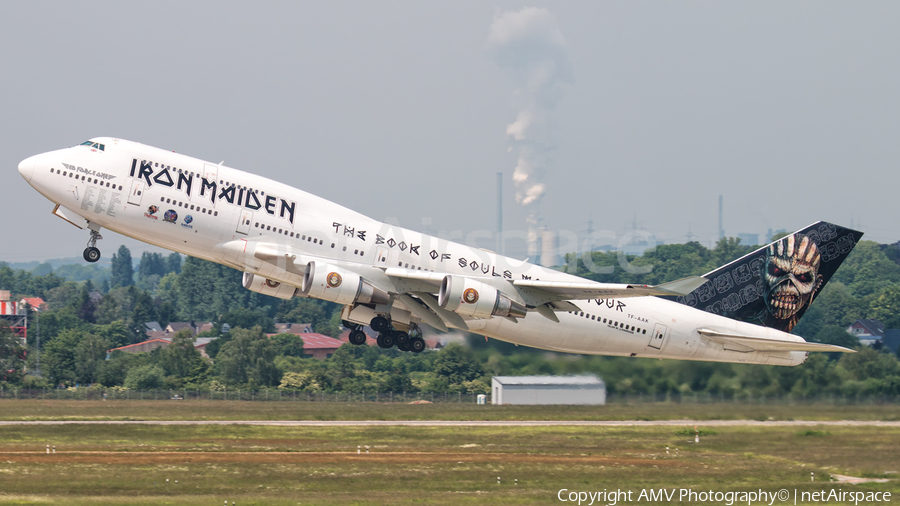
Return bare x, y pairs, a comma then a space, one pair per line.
243, 226
658, 338
134, 196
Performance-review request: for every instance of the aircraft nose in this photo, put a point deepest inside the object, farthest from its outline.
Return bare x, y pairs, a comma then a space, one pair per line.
26, 168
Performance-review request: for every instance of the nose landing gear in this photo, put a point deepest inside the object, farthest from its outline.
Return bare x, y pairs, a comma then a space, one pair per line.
91, 253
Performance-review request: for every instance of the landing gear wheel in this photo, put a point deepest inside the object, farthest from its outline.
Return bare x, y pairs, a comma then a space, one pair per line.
416, 344
91, 254
403, 346
357, 337
385, 340
380, 324
401, 337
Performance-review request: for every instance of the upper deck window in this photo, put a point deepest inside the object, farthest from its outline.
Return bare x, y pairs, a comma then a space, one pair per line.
95, 145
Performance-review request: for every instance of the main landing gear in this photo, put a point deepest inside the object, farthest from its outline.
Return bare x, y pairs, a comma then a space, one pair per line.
388, 336
91, 253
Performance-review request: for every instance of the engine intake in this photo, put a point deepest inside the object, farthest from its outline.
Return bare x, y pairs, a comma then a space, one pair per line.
469, 297
332, 283
260, 284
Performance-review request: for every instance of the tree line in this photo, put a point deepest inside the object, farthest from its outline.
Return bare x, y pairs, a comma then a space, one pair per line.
84, 320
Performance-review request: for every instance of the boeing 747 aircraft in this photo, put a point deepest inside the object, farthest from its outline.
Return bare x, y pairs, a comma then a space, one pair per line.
289, 243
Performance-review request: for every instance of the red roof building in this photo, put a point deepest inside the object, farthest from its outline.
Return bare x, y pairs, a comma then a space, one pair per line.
293, 328
36, 303
319, 346
143, 346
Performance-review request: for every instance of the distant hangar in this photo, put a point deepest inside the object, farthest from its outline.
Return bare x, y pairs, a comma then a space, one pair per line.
580, 389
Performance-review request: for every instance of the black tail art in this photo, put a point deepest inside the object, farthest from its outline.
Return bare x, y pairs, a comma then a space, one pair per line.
774, 285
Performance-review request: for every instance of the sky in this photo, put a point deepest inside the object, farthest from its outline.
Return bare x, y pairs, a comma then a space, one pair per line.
621, 113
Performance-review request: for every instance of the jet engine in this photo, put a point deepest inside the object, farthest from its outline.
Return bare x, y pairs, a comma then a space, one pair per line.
329, 282
470, 297
260, 284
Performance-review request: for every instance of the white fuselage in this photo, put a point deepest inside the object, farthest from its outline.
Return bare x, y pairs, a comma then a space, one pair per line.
201, 206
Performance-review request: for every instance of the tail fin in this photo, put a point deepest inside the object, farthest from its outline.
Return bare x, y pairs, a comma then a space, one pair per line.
774, 285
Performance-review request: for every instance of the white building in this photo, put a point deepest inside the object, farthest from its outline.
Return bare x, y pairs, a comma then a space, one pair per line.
582, 389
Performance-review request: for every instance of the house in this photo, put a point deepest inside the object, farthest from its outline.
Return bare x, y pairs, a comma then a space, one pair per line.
36, 303
153, 327
200, 344
161, 342
866, 328
293, 328
143, 346
174, 327
867, 331
319, 346
580, 389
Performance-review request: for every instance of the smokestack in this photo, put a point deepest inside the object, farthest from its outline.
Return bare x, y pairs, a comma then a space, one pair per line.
500, 213
549, 247
721, 230
534, 248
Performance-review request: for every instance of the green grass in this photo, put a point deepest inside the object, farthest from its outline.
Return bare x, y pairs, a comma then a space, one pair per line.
420, 465
287, 410
129, 464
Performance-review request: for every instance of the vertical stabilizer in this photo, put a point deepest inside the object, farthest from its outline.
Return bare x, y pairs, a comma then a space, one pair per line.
774, 285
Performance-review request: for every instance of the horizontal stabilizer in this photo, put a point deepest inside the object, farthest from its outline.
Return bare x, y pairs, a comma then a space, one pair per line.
682, 286
749, 343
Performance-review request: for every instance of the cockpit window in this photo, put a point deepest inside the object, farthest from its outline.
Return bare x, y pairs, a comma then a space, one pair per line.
95, 145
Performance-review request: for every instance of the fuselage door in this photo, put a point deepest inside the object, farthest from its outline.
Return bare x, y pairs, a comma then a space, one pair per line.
658, 338
210, 172
381, 256
243, 226
137, 188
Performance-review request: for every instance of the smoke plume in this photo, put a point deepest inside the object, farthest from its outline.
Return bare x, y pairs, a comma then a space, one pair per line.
529, 46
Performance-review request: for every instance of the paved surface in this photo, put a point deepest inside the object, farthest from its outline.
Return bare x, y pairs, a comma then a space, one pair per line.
465, 423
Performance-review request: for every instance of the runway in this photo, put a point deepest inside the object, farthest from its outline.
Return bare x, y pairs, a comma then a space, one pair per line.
470, 423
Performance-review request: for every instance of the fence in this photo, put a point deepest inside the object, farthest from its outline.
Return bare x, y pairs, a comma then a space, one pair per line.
271, 394
279, 395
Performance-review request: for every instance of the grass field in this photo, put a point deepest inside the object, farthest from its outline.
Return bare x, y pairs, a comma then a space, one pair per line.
129, 464
245, 410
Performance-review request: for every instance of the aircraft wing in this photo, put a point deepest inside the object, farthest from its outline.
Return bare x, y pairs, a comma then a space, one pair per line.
564, 290
737, 342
